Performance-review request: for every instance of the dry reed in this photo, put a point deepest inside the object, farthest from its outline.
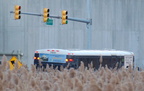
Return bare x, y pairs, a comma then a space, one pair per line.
81, 79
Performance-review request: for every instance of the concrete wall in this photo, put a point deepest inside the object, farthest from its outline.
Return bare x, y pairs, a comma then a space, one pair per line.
116, 24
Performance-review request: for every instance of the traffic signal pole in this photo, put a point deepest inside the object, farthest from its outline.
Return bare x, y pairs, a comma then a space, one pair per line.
89, 25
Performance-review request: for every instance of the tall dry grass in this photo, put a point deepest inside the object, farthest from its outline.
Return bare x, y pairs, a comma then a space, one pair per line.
82, 79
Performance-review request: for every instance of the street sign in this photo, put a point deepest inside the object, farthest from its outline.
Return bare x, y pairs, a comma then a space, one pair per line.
49, 22
12, 61
66, 21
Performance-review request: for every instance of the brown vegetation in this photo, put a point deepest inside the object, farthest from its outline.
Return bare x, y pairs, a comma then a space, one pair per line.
82, 79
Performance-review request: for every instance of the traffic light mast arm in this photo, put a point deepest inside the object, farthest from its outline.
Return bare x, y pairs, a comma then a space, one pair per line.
80, 20
74, 19
29, 14
87, 21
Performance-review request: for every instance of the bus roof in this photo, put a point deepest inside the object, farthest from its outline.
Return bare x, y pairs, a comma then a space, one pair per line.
85, 52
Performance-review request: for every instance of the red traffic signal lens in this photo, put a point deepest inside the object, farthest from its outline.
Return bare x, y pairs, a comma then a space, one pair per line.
17, 7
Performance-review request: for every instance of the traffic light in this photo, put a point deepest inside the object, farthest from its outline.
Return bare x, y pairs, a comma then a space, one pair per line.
17, 12
64, 17
45, 14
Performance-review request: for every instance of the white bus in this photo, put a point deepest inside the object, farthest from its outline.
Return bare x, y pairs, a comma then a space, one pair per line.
58, 57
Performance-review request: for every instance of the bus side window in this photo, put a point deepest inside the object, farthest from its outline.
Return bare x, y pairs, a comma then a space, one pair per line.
77, 62
96, 63
106, 61
120, 62
114, 62
84, 60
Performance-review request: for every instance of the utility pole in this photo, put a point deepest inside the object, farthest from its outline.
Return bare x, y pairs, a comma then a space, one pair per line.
89, 26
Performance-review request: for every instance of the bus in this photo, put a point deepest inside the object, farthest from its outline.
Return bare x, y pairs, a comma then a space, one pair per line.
63, 57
